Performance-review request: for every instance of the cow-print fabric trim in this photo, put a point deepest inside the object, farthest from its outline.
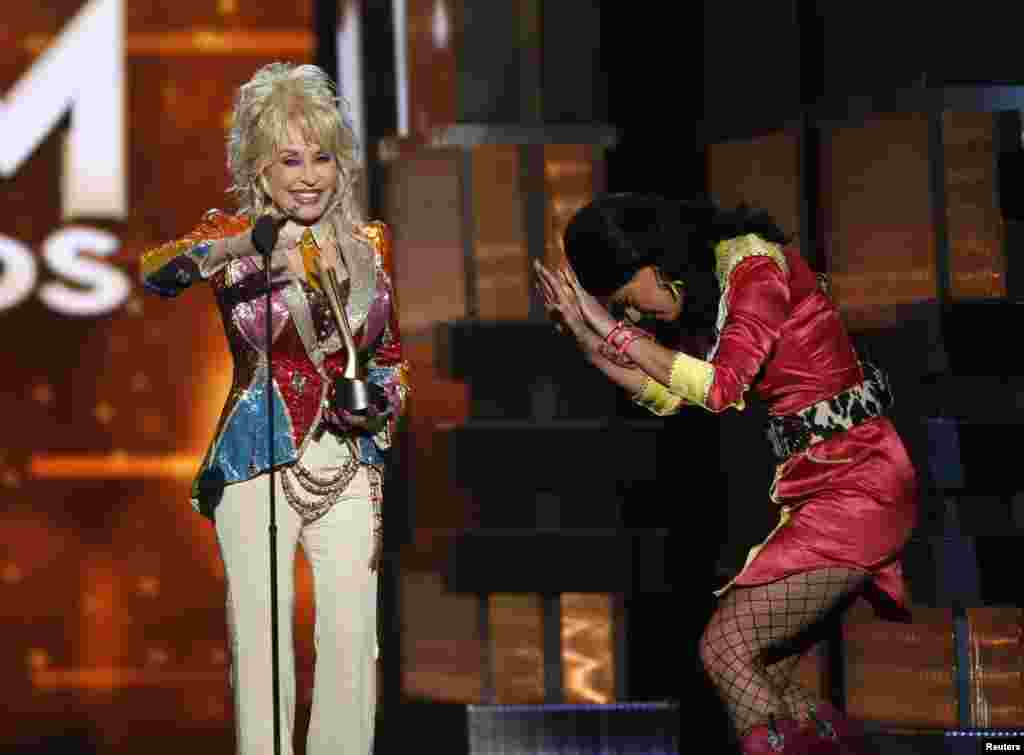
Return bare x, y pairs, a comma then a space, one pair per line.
793, 433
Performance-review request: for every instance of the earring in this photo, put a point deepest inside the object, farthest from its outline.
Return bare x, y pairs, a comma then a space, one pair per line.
674, 287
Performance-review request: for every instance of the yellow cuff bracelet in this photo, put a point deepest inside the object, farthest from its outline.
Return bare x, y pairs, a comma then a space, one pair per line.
657, 399
691, 379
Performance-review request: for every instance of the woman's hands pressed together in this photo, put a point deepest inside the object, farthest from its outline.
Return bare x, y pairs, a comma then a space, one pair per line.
572, 308
569, 304
560, 302
595, 314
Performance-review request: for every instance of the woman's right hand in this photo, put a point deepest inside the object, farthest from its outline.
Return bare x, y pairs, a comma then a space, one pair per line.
288, 237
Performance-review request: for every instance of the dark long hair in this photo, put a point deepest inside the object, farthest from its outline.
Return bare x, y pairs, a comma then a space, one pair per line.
614, 236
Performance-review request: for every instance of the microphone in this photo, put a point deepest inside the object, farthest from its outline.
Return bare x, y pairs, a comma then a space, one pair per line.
264, 235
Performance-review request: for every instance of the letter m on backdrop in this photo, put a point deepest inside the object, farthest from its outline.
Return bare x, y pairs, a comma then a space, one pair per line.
82, 71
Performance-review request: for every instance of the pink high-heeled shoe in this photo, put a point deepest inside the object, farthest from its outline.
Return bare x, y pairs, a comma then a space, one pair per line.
837, 734
783, 736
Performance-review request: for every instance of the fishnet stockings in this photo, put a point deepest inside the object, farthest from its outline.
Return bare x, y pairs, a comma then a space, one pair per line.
796, 698
754, 623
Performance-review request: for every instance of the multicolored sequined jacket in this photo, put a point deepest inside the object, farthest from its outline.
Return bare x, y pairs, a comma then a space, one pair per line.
307, 349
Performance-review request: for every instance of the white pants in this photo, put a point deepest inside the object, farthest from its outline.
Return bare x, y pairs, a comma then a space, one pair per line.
339, 547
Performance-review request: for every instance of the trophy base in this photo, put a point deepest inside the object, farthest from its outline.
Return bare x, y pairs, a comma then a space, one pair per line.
357, 396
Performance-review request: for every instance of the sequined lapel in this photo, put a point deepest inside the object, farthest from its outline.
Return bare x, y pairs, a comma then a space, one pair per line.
298, 306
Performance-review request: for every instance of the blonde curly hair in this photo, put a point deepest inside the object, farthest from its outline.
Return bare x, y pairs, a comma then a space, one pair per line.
276, 95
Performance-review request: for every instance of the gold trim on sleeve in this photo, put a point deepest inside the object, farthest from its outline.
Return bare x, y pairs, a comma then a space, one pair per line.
731, 252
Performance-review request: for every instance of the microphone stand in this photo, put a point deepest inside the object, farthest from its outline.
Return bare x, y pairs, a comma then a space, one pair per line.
264, 238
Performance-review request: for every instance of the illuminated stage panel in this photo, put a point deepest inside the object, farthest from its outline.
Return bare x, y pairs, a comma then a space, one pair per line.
516, 622
588, 658
423, 204
502, 269
432, 63
573, 175
441, 647
975, 222
877, 217
901, 675
763, 172
203, 42
114, 466
161, 17
997, 665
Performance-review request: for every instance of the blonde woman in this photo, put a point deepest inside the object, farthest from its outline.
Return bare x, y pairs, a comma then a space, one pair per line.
291, 154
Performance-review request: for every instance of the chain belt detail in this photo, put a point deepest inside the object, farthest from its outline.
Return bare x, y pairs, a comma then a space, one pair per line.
323, 491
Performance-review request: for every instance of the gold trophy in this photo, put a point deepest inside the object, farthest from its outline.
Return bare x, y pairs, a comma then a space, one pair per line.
352, 392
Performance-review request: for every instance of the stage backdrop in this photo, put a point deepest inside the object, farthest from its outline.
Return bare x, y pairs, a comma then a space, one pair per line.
113, 122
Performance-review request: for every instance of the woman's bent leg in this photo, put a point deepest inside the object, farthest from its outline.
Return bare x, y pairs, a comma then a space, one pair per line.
748, 622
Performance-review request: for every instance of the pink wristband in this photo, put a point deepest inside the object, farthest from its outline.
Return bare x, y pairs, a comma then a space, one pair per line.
612, 333
624, 335
610, 353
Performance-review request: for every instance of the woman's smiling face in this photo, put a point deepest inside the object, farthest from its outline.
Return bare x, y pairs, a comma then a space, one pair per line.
301, 178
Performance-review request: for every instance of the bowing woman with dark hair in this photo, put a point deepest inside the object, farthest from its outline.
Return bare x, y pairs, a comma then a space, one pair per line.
752, 315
